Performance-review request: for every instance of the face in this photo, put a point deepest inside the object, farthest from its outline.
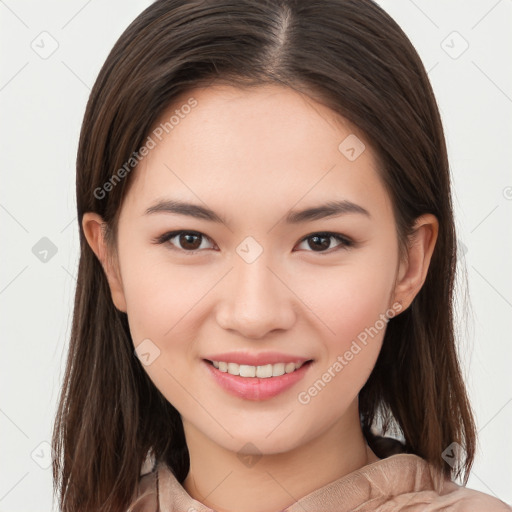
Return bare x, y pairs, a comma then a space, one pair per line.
262, 279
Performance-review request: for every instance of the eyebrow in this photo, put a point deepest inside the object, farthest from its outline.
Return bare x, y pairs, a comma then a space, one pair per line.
322, 211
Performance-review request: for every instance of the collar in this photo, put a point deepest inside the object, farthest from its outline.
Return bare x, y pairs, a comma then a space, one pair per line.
400, 477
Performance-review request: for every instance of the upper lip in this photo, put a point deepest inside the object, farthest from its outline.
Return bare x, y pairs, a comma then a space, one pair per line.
260, 359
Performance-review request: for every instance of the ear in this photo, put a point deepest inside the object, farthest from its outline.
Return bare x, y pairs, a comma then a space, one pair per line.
413, 271
93, 224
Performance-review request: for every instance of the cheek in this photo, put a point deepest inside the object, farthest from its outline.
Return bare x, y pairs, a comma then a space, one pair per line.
349, 299
160, 295
352, 303
357, 317
164, 305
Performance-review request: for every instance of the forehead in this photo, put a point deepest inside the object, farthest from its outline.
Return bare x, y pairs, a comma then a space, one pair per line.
266, 145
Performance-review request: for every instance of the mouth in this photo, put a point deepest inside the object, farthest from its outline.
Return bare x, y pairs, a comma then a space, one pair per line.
256, 382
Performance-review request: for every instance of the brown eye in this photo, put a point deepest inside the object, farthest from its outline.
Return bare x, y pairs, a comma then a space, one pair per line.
185, 241
192, 241
189, 241
320, 242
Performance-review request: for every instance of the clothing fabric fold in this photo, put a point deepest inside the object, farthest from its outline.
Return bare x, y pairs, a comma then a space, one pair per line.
398, 483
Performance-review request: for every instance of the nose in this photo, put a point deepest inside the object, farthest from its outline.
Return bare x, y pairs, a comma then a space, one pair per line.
255, 300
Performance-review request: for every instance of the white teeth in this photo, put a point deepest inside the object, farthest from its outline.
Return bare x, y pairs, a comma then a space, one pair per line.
263, 372
234, 368
247, 371
277, 369
289, 367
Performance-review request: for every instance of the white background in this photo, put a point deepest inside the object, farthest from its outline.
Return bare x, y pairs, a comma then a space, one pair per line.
42, 102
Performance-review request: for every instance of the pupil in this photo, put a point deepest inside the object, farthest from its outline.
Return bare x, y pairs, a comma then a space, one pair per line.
186, 238
323, 245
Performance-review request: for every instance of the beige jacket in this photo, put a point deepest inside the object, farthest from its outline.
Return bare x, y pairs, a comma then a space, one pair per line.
398, 483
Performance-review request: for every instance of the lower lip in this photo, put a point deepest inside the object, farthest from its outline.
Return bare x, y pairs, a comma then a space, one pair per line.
254, 388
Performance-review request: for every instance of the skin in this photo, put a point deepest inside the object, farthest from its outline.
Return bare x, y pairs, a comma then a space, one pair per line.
252, 155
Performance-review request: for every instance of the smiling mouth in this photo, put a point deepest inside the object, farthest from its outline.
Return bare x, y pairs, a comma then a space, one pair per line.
263, 372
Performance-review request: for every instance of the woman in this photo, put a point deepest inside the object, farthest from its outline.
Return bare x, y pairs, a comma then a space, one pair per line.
266, 273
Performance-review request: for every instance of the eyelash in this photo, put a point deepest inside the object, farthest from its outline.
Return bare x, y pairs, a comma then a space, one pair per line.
345, 242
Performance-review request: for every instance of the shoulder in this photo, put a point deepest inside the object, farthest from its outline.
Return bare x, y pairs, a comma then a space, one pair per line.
422, 487
421, 484
463, 499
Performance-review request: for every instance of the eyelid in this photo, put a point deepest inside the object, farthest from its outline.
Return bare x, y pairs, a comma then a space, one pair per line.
173, 234
345, 241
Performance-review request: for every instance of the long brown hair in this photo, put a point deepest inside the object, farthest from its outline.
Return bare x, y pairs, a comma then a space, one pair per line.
349, 55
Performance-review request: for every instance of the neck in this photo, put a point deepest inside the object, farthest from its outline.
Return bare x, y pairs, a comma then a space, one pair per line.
219, 480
